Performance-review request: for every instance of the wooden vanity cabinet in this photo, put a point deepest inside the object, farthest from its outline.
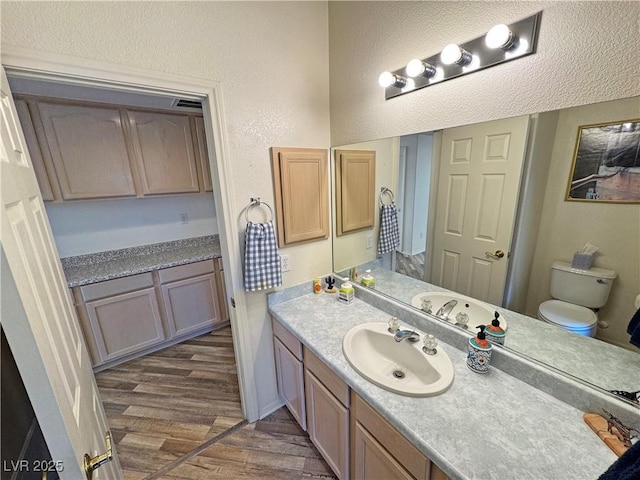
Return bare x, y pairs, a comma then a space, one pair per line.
380, 451
222, 290
289, 372
327, 400
190, 297
120, 317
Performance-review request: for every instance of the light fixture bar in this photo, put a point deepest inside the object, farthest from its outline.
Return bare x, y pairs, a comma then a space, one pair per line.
517, 40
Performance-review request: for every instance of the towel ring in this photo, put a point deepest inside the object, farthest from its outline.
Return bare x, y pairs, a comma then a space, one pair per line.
386, 191
256, 202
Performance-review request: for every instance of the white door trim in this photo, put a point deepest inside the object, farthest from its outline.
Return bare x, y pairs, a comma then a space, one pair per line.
79, 71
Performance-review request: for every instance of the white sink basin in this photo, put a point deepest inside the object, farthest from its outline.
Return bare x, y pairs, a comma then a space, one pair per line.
479, 312
371, 350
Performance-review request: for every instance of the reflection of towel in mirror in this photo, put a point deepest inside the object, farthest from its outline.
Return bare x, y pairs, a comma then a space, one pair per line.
627, 467
389, 238
634, 329
261, 259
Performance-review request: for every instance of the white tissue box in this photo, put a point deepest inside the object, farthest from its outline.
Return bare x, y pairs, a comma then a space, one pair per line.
583, 261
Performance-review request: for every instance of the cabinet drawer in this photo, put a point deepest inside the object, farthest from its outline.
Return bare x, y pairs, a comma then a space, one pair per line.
330, 380
399, 447
185, 271
116, 286
287, 338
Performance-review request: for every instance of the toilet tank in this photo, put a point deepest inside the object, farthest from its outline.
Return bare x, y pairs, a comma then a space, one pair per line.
589, 288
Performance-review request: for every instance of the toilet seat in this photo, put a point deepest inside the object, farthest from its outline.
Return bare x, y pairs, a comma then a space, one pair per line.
567, 315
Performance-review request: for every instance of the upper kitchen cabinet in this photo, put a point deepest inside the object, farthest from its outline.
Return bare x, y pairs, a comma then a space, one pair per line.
88, 149
82, 150
35, 153
163, 152
203, 156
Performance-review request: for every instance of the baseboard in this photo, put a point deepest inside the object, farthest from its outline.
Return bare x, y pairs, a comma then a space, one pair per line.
269, 409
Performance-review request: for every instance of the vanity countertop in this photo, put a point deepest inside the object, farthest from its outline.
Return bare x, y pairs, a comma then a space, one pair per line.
491, 426
98, 267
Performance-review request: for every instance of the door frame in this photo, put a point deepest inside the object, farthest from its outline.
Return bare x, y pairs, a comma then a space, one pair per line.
23, 62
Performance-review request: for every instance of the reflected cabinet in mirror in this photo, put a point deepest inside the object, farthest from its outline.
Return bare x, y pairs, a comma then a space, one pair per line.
482, 212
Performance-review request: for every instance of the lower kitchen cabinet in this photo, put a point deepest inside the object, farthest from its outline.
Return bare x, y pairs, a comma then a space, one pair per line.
130, 316
190, 297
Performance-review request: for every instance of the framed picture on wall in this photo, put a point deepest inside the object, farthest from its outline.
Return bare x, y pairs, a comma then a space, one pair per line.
606, 163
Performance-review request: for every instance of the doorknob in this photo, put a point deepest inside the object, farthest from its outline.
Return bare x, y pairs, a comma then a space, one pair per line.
496, 254
90, 464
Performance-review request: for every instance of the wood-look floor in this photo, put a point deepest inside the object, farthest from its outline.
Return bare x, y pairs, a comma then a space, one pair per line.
176, 414
410, 265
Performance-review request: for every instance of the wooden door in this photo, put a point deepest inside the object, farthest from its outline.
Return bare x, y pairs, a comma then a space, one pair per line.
88, 148
480, 173
164, 153
38, 316
372, 460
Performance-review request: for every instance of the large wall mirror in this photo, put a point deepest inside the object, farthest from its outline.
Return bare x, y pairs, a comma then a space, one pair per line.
496, 239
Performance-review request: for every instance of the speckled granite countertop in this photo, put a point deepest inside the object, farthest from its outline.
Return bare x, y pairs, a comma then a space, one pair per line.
607, 366
98, 267
490, 426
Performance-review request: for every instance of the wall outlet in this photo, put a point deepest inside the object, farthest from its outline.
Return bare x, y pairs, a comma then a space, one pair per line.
284, 263
184, 218
370, 240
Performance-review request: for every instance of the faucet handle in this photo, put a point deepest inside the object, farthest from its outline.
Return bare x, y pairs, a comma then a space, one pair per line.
394, 324
430, 344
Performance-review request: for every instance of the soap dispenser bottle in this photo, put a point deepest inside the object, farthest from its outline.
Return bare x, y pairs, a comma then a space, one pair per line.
495, 332
367, 279
480, 350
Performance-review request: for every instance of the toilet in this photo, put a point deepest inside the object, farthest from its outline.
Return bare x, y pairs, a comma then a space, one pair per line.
576, 292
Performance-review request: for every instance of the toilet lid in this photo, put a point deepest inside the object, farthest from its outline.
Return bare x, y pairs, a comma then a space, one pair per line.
568, 314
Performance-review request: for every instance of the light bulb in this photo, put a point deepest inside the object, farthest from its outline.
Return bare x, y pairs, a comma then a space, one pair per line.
387, 79
452, 53
500, 37
416, 68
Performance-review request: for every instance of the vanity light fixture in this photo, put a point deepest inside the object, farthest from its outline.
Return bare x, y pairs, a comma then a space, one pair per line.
500, 36
388, 79
452, 53
416, 68
502, 43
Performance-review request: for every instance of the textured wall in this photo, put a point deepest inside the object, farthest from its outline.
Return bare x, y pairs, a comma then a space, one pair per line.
272, 61
577, 62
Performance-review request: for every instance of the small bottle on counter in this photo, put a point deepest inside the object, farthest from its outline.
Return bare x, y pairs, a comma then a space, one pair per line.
367, 280
494, 332
480, 349
346, 293
317, 285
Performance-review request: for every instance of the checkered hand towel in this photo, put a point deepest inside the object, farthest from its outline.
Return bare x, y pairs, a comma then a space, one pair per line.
389, 236
261, 259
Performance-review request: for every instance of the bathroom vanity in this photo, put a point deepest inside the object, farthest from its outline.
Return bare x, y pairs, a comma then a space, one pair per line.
492, 426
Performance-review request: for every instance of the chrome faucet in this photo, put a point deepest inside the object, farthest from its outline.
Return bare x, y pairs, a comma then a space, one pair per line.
410, 335
445, 310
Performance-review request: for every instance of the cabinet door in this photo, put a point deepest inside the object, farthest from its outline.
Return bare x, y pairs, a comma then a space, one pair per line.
163, 151
191, 304
301, 183
355, 190
328, 424
222, 291
125, 323
88, 150
203, 155
372, 461
34, 150
289, 373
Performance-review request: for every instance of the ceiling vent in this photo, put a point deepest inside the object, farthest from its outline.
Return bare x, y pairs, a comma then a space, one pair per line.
188, 103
